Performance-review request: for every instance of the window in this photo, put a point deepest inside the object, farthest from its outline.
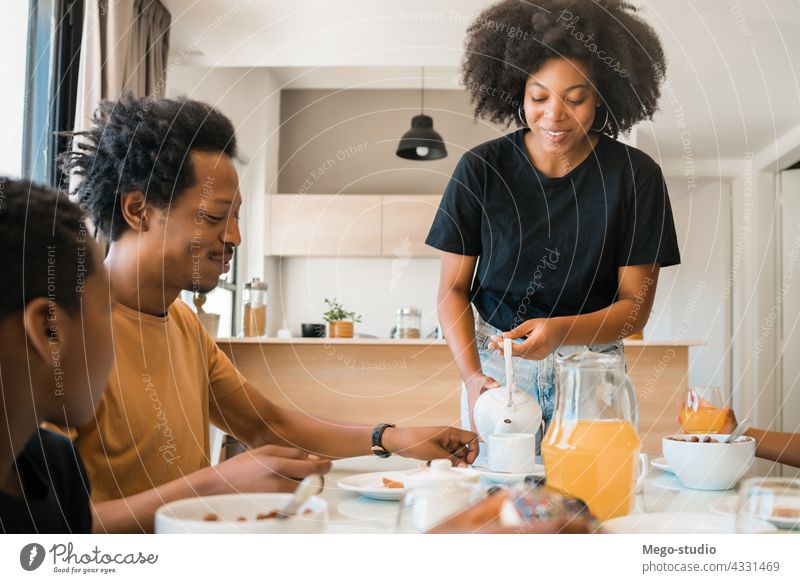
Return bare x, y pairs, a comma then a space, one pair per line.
54, 41
221, 300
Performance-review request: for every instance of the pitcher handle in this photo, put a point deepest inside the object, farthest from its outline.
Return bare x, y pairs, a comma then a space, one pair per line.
631, 390
644, 466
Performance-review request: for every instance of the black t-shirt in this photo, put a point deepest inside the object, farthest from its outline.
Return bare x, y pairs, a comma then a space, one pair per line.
551, 247
56, 489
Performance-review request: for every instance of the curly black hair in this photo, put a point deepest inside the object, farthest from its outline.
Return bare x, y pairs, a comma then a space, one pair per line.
142, 144
47, 251
512, 39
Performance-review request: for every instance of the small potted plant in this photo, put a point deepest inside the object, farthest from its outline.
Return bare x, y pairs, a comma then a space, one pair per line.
340, 322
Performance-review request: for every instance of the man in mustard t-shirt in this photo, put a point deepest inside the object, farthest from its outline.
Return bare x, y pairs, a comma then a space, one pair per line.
159, 182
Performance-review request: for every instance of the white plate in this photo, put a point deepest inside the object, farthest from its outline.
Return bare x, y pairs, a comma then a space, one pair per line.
189, 515
371, 485
727, 506
669, 481
509, 478
661, 464
675, 523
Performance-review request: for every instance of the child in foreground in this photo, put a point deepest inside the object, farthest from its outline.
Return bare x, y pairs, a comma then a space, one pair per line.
55, 359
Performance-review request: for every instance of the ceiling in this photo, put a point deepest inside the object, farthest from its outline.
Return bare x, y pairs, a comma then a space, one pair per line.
733, 90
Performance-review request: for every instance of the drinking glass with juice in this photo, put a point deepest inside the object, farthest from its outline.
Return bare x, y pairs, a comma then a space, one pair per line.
701, 410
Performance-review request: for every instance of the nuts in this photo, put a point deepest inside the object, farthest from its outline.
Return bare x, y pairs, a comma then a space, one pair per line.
260, 516
696, 439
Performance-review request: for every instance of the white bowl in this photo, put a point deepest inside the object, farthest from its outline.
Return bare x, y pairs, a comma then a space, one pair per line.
189, 515
709, 466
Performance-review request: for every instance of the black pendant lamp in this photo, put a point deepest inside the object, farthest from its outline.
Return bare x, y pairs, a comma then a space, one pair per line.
421, 142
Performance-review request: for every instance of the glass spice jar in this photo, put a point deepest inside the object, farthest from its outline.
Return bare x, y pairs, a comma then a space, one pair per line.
254, 308
409, 323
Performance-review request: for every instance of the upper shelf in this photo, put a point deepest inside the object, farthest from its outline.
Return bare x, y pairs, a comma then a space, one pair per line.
349, 225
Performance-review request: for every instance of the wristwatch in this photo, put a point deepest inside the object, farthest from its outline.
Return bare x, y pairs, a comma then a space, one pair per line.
377, 440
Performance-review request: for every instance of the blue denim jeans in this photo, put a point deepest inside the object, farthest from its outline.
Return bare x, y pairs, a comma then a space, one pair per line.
537, 377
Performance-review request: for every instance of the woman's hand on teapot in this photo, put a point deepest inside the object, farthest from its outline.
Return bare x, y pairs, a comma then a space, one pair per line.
544, 335
479, 383
476, 385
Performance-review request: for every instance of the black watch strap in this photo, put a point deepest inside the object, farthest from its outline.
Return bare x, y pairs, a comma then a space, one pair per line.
377, 440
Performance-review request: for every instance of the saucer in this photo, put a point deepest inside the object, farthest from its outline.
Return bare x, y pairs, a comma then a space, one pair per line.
661, 464
509, 477
726, 505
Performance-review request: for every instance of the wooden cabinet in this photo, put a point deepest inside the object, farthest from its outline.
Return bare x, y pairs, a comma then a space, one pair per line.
349, 225
324, 225
405, 225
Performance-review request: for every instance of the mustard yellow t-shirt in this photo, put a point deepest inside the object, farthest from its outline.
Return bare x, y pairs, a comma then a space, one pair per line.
151, 423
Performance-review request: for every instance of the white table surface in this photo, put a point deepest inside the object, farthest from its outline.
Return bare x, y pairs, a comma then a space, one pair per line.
349, 512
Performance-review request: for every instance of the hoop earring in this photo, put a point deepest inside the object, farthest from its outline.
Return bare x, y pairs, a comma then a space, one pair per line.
521, 119
605, 123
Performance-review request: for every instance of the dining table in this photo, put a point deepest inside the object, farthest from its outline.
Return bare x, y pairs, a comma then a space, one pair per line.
661, 495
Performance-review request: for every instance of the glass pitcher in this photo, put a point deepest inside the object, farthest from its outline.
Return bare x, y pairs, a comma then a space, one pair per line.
591, 449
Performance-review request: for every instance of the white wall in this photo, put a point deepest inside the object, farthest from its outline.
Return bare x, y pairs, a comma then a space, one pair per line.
755, 270
705, 296
372, 287
14, 32
693, 299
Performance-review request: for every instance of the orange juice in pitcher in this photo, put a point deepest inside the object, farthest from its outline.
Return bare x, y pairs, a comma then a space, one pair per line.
591, 449
594, 461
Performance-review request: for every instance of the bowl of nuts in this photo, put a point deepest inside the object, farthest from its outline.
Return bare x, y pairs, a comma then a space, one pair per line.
706, 462
240, 514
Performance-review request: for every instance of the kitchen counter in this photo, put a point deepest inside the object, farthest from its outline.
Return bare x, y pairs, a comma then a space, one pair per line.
323, 341
416, 382
414, 341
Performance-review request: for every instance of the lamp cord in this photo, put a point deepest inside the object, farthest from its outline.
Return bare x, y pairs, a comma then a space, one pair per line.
422, 92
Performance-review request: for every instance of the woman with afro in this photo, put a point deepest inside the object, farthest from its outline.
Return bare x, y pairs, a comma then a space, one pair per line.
556, 232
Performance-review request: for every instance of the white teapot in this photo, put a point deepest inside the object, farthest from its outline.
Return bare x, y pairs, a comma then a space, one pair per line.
508, 409
504, 411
